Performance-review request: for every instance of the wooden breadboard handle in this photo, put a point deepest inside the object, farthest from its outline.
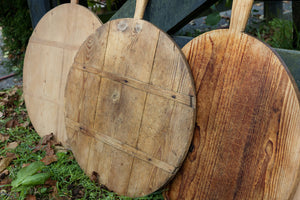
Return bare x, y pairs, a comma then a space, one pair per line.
241, 10
74, 1
140, 9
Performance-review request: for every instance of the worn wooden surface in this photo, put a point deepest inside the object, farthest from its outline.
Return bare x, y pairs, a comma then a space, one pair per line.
297, 195
246, 142
168, 15
247, 136
130, 107
49, 56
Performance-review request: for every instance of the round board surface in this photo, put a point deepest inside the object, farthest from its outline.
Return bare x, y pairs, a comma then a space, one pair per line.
130, 107
49, 56
247, 136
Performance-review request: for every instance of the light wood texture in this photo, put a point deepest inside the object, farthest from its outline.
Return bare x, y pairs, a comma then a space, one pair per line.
297, 195
140, 9
130, 107
240, 12
49, 56
247, 137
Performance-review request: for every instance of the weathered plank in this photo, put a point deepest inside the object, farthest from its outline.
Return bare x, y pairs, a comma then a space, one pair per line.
132, 123
246, 142
290, 57
49, 56
247, 137
169, 15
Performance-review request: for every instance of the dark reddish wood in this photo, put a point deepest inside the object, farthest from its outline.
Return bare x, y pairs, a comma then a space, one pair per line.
246, 142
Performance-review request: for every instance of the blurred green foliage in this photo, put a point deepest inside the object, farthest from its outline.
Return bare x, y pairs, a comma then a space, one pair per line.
278, 33
16, 29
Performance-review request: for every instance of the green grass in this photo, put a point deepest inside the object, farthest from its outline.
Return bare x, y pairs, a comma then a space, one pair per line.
65, 171
278, 33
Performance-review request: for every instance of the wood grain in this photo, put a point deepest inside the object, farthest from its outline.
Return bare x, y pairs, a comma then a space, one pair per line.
49, 56
130, 107
140, 9
240, 12
247, 137
297, 195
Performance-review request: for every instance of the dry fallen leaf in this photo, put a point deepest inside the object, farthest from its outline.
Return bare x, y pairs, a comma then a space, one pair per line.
12, 145
4, 174
49, 159
4, 163
49, 150
11, 155
95, 177
12, 92
25, 124
30, 197
11, 123
1, 114
47, 138
25, 165
51, 182
5, 181
54, 194
4, 137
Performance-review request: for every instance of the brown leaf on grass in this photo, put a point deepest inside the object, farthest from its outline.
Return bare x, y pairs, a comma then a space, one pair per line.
43, 142
4, 98
95, 177
11, 100
2, 94
49, 159
51, 182
25, 124
47, 143
4, 174
37, 148
11, 155
49, 150
5, 181
46, 139
25, 165
11, 123
77, 191
54, 194
30, 197
12, 91
4, 163
12, 145
4, 137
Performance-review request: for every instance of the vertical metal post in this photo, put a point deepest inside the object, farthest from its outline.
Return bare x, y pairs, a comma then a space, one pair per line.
273, 9
296, 22
38, 8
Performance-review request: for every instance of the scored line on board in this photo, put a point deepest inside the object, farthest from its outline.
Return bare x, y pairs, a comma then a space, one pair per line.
121, 146
175, 96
